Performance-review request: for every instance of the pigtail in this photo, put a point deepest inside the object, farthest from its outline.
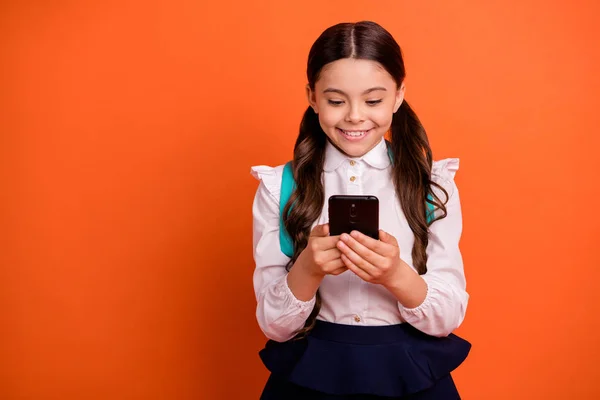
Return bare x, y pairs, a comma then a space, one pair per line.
309, 196
412, 179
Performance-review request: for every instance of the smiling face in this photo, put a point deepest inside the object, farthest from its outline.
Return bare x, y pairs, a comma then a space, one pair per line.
355, 100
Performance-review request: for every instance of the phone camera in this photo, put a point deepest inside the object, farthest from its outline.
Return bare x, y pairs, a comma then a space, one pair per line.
353, 210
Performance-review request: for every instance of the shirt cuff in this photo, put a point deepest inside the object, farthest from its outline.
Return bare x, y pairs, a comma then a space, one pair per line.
415, 314
282, 289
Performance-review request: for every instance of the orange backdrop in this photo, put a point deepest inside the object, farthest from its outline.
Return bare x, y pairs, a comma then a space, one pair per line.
127, 132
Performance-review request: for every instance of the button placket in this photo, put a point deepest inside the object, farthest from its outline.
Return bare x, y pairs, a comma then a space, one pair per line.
353, 176
359, 300
357, 289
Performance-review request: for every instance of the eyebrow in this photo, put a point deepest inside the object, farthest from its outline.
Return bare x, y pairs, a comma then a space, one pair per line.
333, 90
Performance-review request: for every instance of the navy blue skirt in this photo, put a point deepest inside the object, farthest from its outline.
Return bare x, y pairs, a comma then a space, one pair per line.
363, 362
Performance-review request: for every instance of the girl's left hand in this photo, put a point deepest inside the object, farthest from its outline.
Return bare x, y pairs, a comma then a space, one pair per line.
375, 261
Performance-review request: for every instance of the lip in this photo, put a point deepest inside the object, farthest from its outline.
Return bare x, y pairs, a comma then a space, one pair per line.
351, 138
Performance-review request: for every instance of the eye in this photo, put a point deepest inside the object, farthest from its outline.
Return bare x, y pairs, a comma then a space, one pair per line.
373, 102
335, 102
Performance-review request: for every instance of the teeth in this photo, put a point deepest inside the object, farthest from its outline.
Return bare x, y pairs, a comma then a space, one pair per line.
354, 133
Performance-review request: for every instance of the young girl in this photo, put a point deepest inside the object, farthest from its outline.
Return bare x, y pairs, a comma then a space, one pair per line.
351, 317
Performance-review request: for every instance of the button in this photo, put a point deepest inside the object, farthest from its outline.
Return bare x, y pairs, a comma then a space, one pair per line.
357, 318
352, 178
352, 162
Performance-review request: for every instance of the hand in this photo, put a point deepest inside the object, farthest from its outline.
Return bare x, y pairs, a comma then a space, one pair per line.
321, 256
375, 261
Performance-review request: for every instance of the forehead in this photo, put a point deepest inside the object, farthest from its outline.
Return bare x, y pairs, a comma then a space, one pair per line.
354, 75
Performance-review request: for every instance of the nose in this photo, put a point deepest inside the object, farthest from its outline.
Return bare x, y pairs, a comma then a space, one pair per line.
354, 114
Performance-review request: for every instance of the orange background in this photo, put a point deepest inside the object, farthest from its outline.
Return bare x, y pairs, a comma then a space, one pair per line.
128, 129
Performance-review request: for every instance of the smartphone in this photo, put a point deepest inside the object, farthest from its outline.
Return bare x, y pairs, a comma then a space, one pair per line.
354, 213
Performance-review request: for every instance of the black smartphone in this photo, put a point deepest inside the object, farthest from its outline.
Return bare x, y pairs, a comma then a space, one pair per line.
349, 213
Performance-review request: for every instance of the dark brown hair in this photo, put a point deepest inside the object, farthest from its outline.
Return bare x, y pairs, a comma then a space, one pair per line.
412, 158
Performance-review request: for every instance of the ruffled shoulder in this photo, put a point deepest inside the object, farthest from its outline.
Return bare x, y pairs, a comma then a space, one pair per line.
446, 168
271, 178
443, 172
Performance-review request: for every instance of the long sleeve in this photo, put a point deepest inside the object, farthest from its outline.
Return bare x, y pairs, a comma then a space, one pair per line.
279, 313
444, 307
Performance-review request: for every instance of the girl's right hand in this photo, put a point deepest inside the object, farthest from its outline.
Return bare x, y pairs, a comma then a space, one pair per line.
321, 256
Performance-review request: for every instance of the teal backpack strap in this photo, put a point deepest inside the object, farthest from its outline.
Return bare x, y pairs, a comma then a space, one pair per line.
430, 209
288, 185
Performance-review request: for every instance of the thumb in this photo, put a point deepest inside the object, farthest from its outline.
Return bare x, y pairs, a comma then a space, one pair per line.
387, 238
320, 230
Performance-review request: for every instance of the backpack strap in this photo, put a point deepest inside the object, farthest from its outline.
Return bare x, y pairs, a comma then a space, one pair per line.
430, 209
288, 185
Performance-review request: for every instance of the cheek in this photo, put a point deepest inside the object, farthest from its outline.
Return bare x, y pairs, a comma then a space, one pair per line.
330, 117
383, 116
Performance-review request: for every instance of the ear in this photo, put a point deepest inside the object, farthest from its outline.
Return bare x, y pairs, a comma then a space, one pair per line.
310, 95
399, 97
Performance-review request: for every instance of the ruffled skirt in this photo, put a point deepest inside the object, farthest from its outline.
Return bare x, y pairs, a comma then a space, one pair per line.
345, 361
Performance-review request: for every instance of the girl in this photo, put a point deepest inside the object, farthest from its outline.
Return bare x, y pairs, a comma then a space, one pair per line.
351, 317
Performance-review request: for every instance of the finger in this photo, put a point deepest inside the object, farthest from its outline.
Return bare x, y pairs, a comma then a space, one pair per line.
333, 267
364, 252
387, 238
357, 260
358, 271
328, 256
339, 270
382, 248
326, 243
320, 230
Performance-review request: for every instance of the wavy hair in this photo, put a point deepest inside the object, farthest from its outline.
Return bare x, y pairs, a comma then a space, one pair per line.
411, 168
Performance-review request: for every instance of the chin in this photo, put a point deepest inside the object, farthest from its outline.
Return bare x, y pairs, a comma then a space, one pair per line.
358, 148
354, 150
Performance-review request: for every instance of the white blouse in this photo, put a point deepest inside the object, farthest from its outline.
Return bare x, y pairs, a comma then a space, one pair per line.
347, 299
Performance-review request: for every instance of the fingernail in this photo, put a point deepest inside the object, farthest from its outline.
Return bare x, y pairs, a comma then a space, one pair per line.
354, 234
345, 237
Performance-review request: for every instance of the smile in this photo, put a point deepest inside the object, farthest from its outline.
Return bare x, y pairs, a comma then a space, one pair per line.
353, 134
